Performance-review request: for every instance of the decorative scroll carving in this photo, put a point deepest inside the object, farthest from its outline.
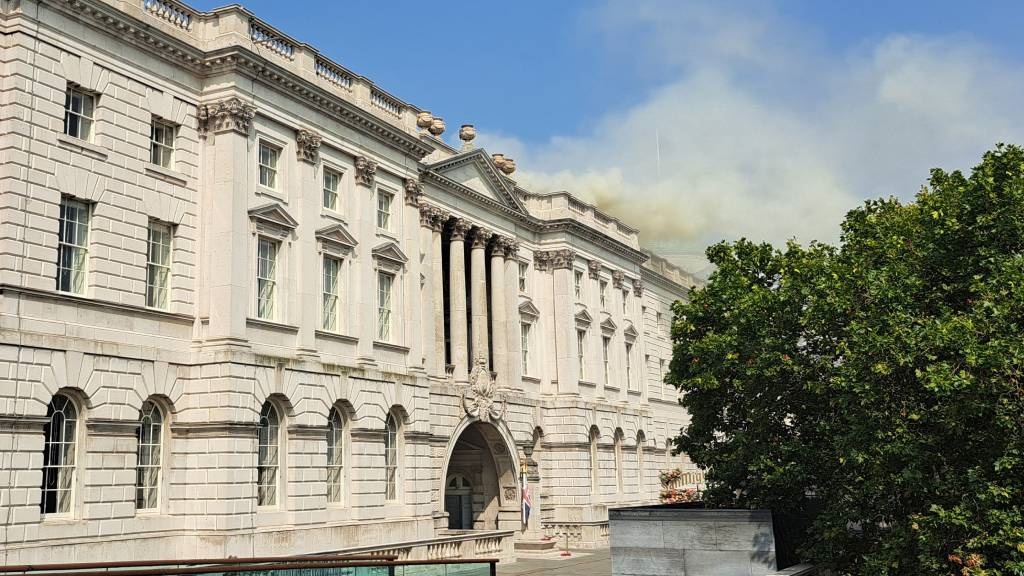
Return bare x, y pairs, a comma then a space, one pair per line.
441, 218
480, 237
427, 215
594, 269
413, 191
617, 278
481, 399
562, 259
511, 247
460, 227
232, 115
307, 145
638, 287
366, 171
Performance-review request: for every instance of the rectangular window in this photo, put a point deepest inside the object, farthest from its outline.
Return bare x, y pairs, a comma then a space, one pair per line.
581, 346
79, 107
161, 143
269, 155
629, 375
332, 275
606, 342
625, 302
72, 245
604, 294
158, 265
524, 329
578, 284
524, 269
384, 200
266, 279
332, 180
385, 283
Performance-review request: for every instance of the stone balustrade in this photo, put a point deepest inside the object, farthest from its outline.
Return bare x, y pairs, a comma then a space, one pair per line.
175, 13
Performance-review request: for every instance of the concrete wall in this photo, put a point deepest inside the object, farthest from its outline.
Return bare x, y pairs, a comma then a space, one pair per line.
662, 540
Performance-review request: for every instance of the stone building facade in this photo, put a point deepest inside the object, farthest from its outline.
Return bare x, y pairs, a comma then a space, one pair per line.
251, 304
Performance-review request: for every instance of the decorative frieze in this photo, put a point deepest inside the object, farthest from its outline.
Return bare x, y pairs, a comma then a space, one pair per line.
307, 145
413, 191
460, 226
366, 171
638, 287
480, 237
232, 115
594, 269
617, 278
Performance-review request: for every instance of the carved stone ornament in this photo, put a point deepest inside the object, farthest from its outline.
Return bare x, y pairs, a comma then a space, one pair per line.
617, 278
424, 119
307, 145
466, 133
562, 259
459, 228
638, 287
480, 238
436, 127
481, 399
441, 218
427, 215
594, 269
511, 247
366, 171
413, 191
227, 115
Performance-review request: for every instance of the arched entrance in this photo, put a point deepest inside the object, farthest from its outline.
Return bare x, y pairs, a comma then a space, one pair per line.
480, 490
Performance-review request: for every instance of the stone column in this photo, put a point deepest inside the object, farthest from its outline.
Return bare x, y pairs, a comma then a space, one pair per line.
437, 221
513, 335
499, 317
366, 277
224, 127
309, 260
478, 293
415, 291
431, 296
457, 299
567, 363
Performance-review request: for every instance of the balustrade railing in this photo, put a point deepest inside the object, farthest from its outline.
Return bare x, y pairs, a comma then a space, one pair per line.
333, 74
385, 102
170, 11
263, 35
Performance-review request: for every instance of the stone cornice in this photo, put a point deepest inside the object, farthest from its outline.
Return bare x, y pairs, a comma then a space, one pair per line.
653, 277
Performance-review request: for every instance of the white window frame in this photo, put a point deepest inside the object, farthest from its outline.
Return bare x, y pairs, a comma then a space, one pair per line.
149, 463
266, 281
63, 471
385, 217
524, 271
625, 302
525, 335
392, 455
629, 366
606, 343
603, 293
161, 150
158, 264
595, 484
385, 306
79, 120
332, 196
269, 166
330, 304
577, 281
337, 443
581, 351
73, 245
268, 456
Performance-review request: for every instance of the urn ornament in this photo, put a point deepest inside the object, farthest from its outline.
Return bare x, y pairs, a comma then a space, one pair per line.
437, 126
424, 119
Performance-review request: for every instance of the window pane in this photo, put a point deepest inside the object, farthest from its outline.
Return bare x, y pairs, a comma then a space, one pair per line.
73, 234
59, 439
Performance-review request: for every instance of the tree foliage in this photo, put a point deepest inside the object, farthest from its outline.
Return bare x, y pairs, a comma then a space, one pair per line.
874, 388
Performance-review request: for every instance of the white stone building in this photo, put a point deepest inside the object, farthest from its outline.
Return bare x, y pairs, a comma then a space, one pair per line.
251, 304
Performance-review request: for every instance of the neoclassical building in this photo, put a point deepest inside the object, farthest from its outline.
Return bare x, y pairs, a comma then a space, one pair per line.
252, 304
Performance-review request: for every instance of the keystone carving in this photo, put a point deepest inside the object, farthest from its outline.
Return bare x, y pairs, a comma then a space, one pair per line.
231, 115
413, 191
481, 399
307, 145
366, 171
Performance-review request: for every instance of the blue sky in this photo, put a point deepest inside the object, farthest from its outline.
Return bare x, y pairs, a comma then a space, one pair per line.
771, 118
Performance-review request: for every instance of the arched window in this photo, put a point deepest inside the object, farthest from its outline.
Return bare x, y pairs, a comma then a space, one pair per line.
269, 456
618, 460
640, 439
60, 435
593, 460
335, 456
391, 457
147, 474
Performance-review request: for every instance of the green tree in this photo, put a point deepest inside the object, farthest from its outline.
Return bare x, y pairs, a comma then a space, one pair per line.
874, 389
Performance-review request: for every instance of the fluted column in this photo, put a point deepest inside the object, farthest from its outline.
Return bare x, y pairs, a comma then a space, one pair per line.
498, 316
478, 293
457, 299
513, 334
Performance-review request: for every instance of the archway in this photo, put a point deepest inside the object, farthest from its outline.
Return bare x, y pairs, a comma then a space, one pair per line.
480, 490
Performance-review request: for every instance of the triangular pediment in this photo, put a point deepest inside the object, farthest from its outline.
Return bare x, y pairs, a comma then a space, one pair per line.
274, 214
337, 234
526, 308
608, 325
584, 317
630, 331
475, 173
390, 251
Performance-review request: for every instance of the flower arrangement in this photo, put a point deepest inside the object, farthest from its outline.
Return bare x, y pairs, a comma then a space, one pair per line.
678, 495
669, 476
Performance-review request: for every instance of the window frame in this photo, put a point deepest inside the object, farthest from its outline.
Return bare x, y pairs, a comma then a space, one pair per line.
155, 466
338, 262
152, 265
577, 280
629, 365
166, 150
268, 456
270, 281
335, 193
581, 352
63, 484
524, 271
606, 343
85, 122
73, 251
603, 293
525, 335
272, 171
388, 214
384, 331
337, 444
392, 436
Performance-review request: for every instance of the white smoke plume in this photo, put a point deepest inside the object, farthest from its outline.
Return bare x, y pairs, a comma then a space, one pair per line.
765, 134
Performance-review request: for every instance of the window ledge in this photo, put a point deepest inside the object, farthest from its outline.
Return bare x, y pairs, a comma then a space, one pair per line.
634, 392
333, 215
387, 234
586, 383
271, 325
167, 174
390, 346
337, 336
275, 194
79, 145
611, 388
532, 379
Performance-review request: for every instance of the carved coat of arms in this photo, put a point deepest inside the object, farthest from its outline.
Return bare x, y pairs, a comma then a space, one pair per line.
481, 398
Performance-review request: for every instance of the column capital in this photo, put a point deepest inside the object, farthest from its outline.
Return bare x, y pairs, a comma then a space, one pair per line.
594, 269
230, 115
307, 145
617, 278
413, 191
511, 247
480, 237
638, 287
366, 171
460, 226
554, 259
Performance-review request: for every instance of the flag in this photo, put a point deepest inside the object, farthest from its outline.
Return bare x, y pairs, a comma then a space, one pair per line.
527, 501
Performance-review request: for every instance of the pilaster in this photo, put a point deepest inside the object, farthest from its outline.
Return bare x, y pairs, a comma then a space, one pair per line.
309, 260
366, 290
